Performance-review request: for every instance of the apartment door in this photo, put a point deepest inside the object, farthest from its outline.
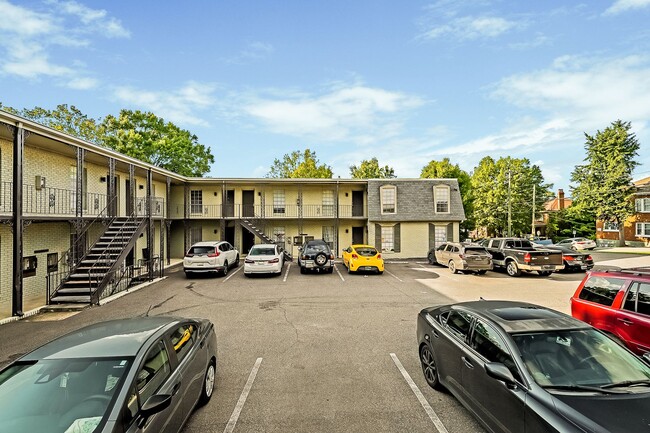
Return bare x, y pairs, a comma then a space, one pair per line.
115, 205
357, 203
229, 208
357, 235
248, 204
247, 240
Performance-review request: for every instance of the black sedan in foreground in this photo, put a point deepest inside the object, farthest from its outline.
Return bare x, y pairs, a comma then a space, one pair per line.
134, 375
523, 368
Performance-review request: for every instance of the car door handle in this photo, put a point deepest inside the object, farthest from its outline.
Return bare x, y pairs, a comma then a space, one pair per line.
628, 322
435, 333
176, 388
467, 362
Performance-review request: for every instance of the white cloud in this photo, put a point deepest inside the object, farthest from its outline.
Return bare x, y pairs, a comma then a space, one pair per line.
620, 6
96, 19
470, 28
178, 106
253, 52
82, 83
354, 113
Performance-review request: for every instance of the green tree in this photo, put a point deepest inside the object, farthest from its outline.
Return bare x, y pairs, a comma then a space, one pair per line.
503, 195
147, 137
562, 223
604, 183
370, 169
446, 170
299, 165
64, 118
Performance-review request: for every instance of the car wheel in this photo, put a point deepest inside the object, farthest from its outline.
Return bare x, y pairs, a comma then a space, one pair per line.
188, 274
380, 272
512, 269
429, 367
208, 384
544, 273
349, 270
452, 267
236, 264
303, 270
225, 268
432, 259
320, 259
481, 272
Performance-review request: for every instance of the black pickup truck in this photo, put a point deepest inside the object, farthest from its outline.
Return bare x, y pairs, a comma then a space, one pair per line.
516, 255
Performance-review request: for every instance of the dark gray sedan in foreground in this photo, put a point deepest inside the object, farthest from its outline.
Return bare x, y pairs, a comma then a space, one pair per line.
523, 368
133, 375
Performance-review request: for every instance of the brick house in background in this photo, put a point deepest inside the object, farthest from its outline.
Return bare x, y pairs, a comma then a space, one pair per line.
636, 228
556, 204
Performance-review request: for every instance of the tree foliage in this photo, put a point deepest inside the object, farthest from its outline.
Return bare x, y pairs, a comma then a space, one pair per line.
370, 169
147, 137
446, 170
299, 165
503, 187
67, 119
563, 223
604, 183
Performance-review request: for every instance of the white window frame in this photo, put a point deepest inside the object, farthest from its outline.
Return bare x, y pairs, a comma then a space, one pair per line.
643, 230
384, 197
610, 226
196, 234
328, 203
387, 238
438, 197
279, 202
642, 205
328, 235
196, 201
278, 234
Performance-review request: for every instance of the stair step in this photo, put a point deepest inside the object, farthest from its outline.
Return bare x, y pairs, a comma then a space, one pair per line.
74, 291
71, 299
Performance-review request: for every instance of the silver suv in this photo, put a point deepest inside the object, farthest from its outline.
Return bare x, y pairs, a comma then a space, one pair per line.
462, 257
211, 256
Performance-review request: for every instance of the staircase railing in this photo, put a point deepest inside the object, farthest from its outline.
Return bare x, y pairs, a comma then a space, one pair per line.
99, 280
121, 279
69, 260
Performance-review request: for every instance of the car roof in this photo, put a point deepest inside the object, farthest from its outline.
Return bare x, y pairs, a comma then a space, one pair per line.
519, 317
355, 246
264, 246
637, 272
122, 337
207, 243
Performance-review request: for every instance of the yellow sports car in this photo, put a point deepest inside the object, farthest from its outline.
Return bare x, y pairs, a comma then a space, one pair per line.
363, 258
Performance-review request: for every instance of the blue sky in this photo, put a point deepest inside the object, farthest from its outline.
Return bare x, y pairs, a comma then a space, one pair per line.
406, 82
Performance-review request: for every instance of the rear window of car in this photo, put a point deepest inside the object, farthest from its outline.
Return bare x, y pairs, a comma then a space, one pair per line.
458, 322
262, 252
367, 252
638, 298
316, 247
201, 250
601, 290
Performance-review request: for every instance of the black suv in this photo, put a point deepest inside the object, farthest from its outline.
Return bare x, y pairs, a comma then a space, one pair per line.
317, 256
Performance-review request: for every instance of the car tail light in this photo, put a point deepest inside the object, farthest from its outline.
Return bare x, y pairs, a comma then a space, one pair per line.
304, 257
527, 258
568, 258
188, 254
461, 256
276, 260
588, 257
331, 256
354, 256
379, 256
249, 261
215, 254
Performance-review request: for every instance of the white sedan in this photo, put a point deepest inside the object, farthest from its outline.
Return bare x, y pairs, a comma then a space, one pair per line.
577, 244
264, 259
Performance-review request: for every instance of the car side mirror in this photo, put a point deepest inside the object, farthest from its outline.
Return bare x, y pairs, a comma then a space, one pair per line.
500, 372
154, 404
300, 249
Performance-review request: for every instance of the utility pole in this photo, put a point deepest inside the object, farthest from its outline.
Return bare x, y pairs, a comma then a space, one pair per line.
532, 223
509, 207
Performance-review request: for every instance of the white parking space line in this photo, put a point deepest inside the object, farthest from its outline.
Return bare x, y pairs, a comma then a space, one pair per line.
286, 274
231, 274
242, 398
393, 275
423, 401
338, 272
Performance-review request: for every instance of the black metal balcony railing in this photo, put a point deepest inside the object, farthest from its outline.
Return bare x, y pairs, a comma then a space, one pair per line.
267, 211
157, 210
6, 195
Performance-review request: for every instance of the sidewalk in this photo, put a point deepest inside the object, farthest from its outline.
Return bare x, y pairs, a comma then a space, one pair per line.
625, 250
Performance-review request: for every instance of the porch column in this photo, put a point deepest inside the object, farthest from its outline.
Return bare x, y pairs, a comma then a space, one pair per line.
150, 230
17, 221
131, 207
168, 223
112, 190
186, 216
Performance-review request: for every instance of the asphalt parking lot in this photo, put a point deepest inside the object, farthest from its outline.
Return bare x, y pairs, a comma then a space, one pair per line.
316, 352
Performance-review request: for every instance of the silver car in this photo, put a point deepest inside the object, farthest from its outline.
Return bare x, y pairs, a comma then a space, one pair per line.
133, 375
577, 244
460, 257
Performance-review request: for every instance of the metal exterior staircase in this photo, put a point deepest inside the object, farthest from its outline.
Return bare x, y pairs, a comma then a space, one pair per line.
251, 227
86, 281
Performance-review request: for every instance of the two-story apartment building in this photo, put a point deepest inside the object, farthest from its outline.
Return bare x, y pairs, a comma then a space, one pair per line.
81, 222
636, 229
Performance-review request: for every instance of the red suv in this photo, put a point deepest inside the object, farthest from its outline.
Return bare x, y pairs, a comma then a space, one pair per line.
617, 302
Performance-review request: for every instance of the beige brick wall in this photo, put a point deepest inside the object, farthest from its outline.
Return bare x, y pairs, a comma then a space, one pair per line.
414, 240
6, 267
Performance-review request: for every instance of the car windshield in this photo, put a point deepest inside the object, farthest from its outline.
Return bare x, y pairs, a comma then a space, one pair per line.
582, 357
59, 395
366, 252
262, 252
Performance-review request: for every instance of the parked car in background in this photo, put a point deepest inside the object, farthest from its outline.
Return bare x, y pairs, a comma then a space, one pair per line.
517, 254
211, 256
519, 367
316, 255
113, 377
363, 258
459, 257
617, 302
577, 243
573, 260
541, 241
264, 259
